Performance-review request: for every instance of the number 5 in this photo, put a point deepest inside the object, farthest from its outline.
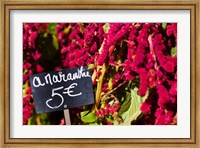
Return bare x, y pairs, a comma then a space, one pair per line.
55, 94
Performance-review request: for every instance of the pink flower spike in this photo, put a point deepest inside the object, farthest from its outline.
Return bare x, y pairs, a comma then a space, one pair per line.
107, 106
169, 67
169, 117
145, 108
173, 89
27, 66
37, 55
39, 68
57, 68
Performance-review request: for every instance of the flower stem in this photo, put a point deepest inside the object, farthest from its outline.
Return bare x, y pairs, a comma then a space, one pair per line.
99, 85
38, 121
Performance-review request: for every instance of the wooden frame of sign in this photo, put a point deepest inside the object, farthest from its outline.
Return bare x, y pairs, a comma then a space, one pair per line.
192, 6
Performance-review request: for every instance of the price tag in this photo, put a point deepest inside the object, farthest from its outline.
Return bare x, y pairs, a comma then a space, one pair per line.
60, 90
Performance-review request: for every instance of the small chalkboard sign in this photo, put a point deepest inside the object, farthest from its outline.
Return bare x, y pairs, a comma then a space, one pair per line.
60, 90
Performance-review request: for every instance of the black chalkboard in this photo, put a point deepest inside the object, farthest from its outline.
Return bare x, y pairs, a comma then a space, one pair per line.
64, 89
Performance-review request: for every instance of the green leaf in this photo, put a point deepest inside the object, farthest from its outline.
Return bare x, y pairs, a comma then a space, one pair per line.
84, 113
89, 118
51, 28
110, 119
164, 25
55, 42
173, 51
111, 102
93, 124
45, 35
43, 116
91, 66
67, 30
132, 106
32, 119
44, 119
106, 27
126, 104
